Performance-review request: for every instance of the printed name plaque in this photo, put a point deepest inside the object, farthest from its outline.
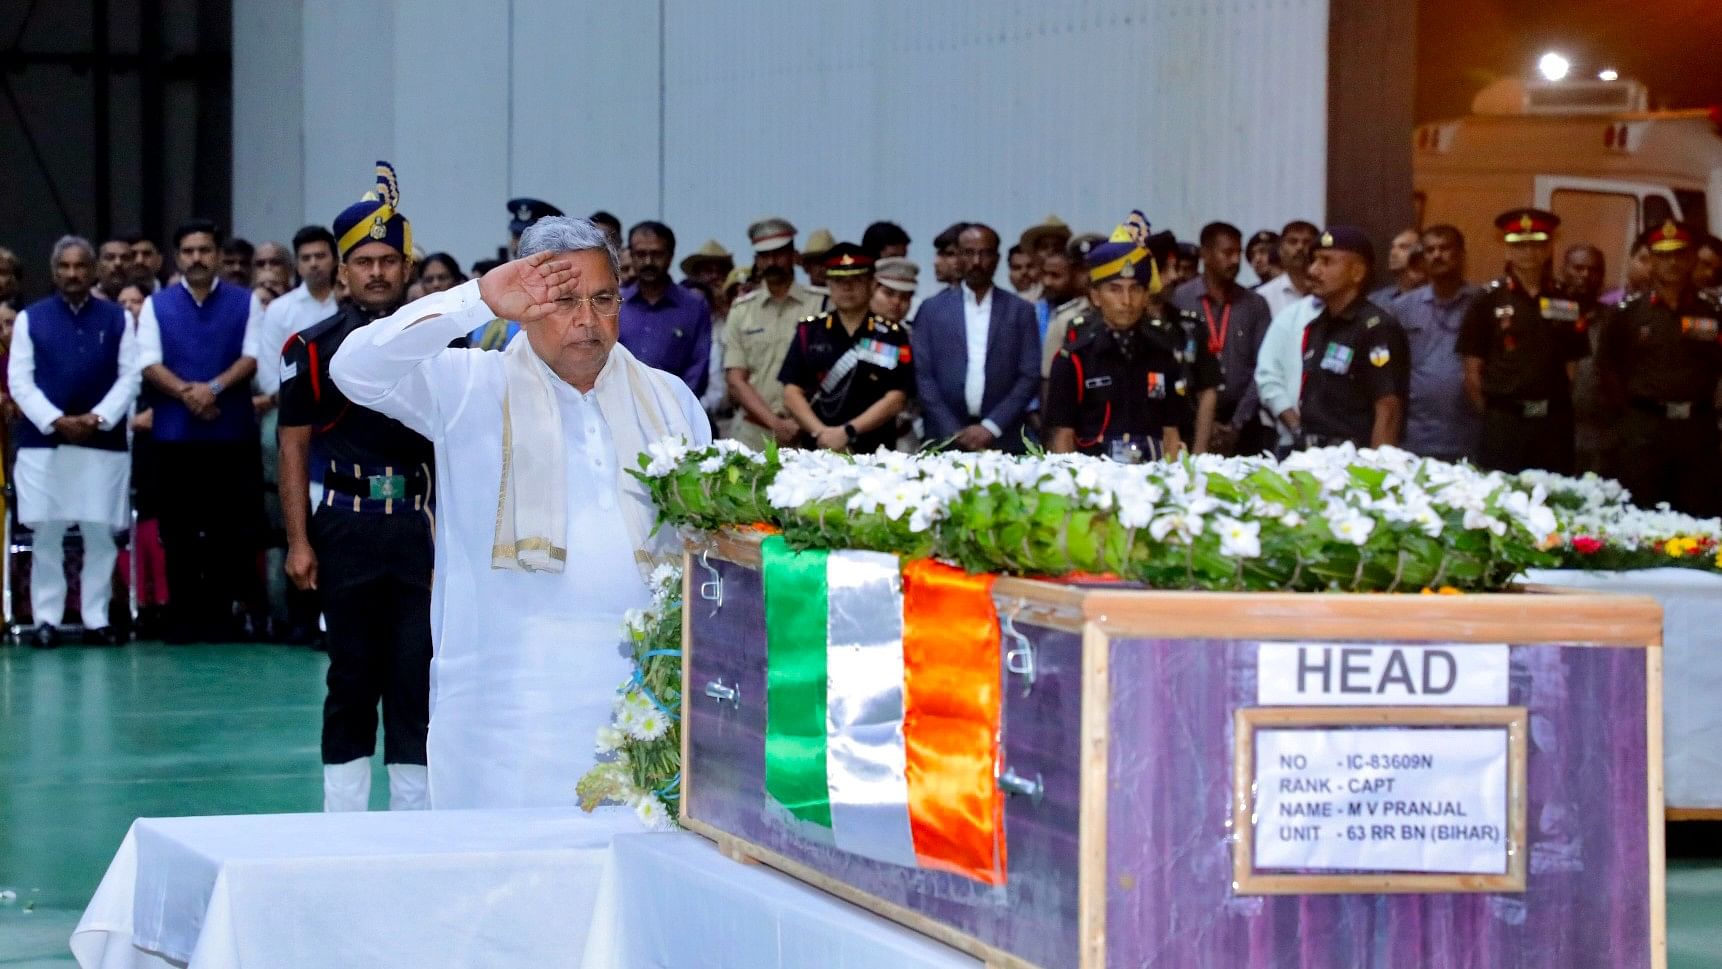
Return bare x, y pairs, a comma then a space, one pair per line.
1379, 799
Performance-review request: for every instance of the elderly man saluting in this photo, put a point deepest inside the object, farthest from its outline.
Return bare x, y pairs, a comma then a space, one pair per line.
532, 445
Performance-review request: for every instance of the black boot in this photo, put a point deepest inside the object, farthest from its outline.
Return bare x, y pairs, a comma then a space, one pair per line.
45, 636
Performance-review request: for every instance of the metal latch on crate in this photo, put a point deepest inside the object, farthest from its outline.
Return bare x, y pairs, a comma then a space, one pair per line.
1019, 659
725, 694
711, 590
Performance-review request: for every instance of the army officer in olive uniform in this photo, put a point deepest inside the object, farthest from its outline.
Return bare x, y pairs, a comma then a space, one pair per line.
1521, 340
849, 371
1660, 356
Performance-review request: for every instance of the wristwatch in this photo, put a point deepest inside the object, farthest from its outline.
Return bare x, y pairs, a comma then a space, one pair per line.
216, 386
849, 429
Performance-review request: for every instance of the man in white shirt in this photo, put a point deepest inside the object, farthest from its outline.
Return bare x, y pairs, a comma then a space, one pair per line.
309, 303
528, 653
73, 371
1279, 364
1297, 243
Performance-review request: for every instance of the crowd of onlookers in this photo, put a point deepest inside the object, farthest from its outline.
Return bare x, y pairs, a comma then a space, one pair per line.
725, 324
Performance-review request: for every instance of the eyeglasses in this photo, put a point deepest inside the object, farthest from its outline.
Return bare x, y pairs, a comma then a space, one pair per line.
603, 304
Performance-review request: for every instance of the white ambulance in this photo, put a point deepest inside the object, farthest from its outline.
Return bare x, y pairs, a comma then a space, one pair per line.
1589, 151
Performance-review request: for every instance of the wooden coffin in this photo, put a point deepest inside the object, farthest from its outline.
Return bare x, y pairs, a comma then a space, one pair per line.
1139, 848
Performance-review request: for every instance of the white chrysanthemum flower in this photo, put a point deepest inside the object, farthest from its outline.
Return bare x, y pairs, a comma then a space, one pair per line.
650, 725
653, 814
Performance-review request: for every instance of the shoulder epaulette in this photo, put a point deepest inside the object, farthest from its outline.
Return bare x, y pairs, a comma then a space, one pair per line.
750, 294
1630, 299
1713, 299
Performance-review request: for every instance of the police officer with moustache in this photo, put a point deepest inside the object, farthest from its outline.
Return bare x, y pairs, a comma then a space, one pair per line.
366, 548
1661, 355
1356, 361
849, 371
1521, 341
1119, 386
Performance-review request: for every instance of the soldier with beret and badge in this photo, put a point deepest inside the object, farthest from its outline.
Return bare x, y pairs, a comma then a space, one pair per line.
849, 372
366, 548
1660, 355
1356, 361
1521, 340
1120, 386
757, 334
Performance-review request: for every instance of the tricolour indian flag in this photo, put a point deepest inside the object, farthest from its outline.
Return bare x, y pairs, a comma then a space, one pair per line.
882, 706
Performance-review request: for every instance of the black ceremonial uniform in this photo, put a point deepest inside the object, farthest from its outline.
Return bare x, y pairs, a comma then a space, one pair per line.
1200, 368
1351, 360
843, 374
1664, 362
1127, 387
372, 536
1526, 343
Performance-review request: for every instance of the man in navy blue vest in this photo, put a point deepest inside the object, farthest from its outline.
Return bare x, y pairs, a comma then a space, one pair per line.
74, 374
197, 342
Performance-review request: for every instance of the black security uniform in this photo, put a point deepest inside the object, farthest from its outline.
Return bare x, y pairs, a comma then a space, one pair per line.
1200, 367
1351, 360
1526, 344
1110, 385
843, 374
1663, 363
372, 536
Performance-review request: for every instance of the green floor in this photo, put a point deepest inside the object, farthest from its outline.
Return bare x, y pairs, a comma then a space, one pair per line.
90, 739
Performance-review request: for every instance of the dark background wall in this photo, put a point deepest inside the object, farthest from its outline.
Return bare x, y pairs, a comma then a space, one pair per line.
1673, 46
115, 116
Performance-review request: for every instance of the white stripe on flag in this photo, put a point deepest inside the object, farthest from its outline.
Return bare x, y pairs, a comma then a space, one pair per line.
865, 753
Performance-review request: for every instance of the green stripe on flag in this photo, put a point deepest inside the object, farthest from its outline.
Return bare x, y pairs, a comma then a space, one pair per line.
795, 630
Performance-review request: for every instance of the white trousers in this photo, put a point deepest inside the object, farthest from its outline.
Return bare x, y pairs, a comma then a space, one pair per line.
48, 572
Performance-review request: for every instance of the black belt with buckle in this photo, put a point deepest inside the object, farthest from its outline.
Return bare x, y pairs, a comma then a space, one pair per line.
1519, 407
1673, 410
378, 487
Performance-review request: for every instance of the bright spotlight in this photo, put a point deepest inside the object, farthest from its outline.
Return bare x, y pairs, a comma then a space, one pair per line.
1553, 66
1608, 74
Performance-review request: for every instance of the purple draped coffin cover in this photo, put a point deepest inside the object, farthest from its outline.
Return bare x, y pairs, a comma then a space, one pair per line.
1126, 859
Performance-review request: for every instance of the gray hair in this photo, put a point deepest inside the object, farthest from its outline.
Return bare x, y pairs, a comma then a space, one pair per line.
560, 233
71, 242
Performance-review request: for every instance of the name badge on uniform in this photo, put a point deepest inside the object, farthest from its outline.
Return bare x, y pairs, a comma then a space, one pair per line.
753, 332
1336, 359
1095, 383
1156, 386
1535, 408
1678, 411
1698, 327
289, 371
1564, 310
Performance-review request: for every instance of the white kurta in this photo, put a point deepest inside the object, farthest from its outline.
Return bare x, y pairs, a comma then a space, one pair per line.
294, 311
527, 664
71, 483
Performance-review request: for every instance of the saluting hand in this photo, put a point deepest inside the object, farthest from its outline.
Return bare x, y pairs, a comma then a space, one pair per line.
528, 290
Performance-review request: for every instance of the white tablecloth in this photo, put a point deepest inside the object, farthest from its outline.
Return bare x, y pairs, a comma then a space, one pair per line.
679, 904
410, 889
1691, 671
467, 889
